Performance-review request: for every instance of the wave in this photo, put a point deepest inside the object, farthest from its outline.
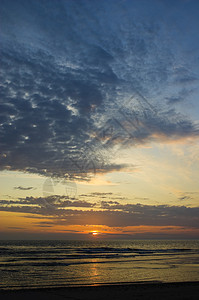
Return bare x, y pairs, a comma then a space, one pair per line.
130, 250
90, 252
67, 257
49, 263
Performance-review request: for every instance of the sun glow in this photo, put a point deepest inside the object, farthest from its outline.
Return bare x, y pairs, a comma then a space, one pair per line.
94, 233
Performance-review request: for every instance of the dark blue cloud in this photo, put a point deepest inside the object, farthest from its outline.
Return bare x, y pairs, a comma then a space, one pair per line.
61, 210
22, 188
72, 70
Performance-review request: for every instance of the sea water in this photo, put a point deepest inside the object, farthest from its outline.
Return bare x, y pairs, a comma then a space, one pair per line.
39, 264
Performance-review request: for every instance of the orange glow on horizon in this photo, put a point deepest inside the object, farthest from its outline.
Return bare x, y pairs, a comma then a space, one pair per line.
13, 222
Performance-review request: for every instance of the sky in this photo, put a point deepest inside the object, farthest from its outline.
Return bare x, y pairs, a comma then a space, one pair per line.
99, 119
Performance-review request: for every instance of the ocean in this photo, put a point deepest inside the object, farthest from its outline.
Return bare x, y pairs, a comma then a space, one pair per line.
40, 264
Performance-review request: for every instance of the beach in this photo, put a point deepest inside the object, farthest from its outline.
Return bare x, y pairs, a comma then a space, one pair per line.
157, 290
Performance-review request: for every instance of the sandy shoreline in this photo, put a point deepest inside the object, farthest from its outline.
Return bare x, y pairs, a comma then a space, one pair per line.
179, 290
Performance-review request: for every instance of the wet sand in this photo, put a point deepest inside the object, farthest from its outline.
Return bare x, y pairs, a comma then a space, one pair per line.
133, 291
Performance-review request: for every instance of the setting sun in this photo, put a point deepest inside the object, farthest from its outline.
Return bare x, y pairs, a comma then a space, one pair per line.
94, 233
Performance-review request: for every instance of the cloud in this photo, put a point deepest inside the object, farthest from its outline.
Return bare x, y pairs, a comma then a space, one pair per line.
185, 198
97, 194
188, 196
181, 96
62, 211
14, 227
23, 188
52, 203
182, 75
102, 195
76, 87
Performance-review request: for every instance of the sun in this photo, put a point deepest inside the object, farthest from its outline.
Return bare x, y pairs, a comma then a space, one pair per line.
94, 233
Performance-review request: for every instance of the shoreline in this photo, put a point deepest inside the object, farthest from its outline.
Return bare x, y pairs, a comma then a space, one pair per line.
131, 290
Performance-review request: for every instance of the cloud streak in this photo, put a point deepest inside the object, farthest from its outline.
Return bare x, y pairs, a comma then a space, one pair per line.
22, 188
